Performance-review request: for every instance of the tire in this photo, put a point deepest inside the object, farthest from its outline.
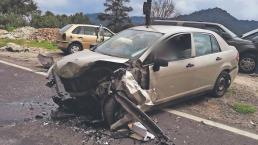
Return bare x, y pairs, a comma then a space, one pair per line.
247, 63
74, 47
112, 111
222, 84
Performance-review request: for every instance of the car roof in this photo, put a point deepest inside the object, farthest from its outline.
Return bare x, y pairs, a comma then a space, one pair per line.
250, 33
85, 25
185, 22
165, 29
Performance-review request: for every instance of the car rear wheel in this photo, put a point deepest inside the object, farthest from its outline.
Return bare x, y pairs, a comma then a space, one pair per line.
247, 63
74, 47
222, 84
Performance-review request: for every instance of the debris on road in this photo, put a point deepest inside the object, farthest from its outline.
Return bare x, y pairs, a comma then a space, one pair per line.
45, 60
141, 132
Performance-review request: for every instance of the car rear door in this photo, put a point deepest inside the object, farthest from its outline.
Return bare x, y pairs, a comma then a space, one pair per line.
176, 79
208, 60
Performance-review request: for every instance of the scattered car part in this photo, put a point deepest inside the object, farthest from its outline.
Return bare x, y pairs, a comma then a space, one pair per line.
45, 61
141, 132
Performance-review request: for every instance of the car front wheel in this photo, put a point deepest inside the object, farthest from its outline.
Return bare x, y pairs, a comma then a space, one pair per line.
222, 84
247, 63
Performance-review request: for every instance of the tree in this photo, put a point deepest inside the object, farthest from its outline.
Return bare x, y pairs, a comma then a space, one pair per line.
116, 14
20, 7
162, 9
79, 18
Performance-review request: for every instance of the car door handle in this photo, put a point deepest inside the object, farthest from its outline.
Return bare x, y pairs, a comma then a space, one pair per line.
80, 37
190, 65
218, 58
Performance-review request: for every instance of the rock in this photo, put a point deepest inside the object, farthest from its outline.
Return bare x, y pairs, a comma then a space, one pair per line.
19, 33
49, 34
3, 48
3, 32
12, 47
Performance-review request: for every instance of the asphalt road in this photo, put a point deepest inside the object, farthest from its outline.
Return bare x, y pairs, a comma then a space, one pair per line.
23, 96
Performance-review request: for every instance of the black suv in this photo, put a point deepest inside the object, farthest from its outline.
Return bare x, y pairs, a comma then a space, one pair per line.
246, 48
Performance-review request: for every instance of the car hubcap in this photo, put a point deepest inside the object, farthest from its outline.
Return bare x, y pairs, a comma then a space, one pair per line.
75, 49
221, 85
247, 64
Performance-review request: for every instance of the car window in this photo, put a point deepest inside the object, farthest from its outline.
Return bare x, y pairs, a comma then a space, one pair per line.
65, 28
84, 30
176, 48
215, 44
202, 44
89, 31
78, 30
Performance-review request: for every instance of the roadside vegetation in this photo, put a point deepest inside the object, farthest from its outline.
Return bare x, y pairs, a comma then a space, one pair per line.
244, 108
30, 43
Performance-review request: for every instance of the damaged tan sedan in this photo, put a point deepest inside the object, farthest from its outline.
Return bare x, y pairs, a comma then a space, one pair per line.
148, 66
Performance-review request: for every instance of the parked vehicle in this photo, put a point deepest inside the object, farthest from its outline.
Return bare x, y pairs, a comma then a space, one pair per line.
75, 37
169, 62
252, 36
246, 48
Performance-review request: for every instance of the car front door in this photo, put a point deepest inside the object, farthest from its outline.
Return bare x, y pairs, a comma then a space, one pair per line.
176, 79
89, 37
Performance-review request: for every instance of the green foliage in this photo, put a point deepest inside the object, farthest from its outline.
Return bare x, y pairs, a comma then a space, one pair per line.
18, 13
116, 13
11, 21
50, 20
30, 43
20, 7
244, 108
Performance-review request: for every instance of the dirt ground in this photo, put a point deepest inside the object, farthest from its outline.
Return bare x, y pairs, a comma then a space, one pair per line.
244, 89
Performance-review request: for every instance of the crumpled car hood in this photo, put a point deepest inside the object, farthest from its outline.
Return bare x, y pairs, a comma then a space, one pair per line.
72, 65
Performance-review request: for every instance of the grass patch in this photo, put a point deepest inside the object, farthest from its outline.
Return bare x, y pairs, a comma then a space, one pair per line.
30, 43
244, 108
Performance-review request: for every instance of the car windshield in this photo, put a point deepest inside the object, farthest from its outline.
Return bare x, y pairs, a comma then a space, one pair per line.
128, 44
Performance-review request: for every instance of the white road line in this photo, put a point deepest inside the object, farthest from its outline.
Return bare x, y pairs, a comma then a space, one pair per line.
181, 114
23, 68
214, 124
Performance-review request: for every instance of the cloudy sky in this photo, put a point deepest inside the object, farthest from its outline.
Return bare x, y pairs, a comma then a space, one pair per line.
241, 9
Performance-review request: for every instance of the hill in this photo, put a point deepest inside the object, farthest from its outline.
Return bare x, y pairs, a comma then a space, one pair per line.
218, 15
136, 20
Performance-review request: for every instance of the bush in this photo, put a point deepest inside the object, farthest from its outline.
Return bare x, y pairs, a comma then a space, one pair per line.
12, 21
244, 108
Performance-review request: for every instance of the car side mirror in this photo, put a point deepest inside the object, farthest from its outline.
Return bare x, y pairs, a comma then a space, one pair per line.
159, 63
226, 36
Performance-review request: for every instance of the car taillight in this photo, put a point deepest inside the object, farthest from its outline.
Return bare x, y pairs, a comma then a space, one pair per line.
237, 56
64, 36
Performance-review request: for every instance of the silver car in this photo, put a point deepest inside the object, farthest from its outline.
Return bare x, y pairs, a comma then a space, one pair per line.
167, 62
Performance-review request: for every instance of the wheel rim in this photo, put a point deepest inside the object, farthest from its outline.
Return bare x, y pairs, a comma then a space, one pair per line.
247, 64
221, 86
75, 48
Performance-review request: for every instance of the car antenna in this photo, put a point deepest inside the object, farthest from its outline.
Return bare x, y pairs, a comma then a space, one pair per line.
147, 12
